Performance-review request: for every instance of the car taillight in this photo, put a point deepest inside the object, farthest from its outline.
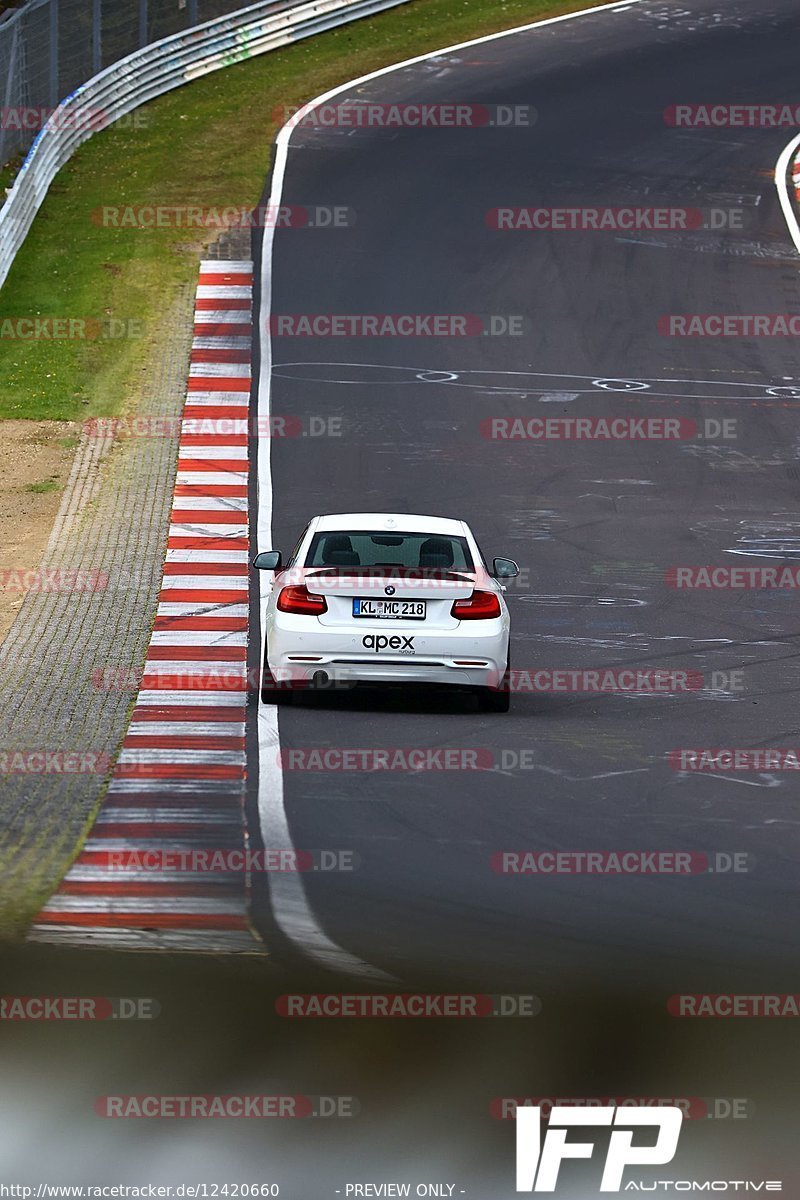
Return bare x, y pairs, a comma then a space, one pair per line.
301, 600
479, 607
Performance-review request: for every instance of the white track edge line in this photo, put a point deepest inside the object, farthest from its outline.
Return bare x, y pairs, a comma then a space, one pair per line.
781, 172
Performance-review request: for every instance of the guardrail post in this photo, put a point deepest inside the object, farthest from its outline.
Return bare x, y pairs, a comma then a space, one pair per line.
143, 38
97, 36
54, 90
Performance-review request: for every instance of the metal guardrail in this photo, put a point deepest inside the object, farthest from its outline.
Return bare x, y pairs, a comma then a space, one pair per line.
150, 72
50, 47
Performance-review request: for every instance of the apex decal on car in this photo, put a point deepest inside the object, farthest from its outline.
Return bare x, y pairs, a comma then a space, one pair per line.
378, 642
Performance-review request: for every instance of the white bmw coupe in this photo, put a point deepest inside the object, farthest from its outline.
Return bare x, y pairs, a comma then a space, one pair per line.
386, 598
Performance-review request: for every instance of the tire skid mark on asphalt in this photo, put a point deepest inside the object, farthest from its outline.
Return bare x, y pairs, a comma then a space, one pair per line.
178, 784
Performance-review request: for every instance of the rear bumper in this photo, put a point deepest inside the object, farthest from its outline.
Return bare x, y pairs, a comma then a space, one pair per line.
447, 658
440, 673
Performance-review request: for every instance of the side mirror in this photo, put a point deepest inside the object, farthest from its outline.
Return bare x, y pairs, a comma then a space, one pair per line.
268, 560
504, 568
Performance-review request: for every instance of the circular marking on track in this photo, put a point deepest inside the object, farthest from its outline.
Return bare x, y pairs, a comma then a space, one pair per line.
621, 385
437, 376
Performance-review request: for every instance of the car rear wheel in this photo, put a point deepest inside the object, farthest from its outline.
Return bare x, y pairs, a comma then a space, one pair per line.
497, 699
273, 692
282, 695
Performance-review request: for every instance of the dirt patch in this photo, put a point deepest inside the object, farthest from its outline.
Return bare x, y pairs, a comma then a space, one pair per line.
35, 461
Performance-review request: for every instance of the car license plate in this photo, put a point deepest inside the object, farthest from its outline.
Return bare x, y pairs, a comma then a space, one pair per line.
390, 610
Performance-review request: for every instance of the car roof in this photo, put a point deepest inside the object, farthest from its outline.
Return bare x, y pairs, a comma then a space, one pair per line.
403, 522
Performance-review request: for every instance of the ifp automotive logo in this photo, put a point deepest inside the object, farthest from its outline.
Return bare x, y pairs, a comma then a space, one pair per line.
538, 1164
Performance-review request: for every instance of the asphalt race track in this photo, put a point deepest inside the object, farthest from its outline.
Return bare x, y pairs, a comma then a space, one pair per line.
595, 525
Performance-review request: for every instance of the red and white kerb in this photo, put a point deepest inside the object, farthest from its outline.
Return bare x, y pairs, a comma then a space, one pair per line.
179, 780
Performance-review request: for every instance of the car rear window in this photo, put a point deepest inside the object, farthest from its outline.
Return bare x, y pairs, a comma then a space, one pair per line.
371, 548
